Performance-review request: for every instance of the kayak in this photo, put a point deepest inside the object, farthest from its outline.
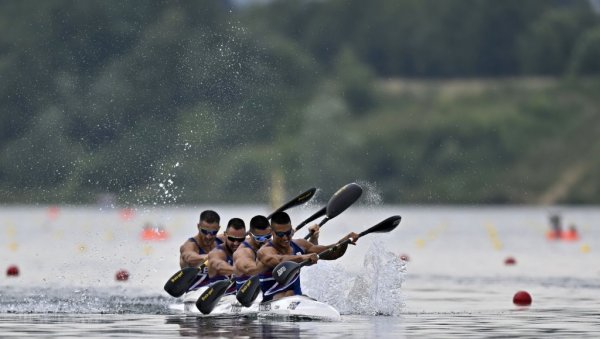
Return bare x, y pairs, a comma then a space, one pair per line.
228, 306
298, 307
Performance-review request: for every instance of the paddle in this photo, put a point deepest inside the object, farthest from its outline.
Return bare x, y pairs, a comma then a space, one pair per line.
179, 282
285, 272
339, 202
209, 298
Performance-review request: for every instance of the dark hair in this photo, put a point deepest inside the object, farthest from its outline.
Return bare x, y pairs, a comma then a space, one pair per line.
210, 217
236, 224
259, 222
280, 218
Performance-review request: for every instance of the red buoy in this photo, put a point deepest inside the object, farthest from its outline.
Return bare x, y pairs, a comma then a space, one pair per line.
122, 275
12, 271
510, 261
404, 257
522, 298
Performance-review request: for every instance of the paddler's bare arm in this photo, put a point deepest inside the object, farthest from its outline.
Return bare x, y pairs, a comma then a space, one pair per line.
271, 258
217, 264
314, 231
244, 263
189, 256
336, 253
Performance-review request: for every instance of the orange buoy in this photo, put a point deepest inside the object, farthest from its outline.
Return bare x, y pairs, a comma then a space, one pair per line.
509, 261
154, 233
522, 298
12, 271
570, 236
122, 275
553, 235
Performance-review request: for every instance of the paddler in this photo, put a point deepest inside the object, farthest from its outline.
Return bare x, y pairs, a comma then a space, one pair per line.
220, 259
194, 251
282, 248
244, 258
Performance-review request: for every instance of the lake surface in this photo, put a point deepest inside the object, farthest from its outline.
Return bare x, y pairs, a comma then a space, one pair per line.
455, 283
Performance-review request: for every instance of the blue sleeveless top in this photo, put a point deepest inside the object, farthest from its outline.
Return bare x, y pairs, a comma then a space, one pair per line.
239, 281
201, 279
270, 287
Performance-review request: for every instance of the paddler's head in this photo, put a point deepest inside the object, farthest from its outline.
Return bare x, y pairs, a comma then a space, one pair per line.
281, 225
260, 230
208, 227
235, 234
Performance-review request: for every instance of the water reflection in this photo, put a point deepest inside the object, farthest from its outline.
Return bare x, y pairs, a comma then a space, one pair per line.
234, 327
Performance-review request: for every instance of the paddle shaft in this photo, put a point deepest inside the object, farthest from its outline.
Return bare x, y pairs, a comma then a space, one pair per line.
318, 214
325, 220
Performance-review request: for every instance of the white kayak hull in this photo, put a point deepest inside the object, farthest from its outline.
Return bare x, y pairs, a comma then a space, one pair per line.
228, 306
298, 307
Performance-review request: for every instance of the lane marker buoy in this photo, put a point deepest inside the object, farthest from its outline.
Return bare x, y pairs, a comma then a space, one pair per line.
122, 275
522, 298
12, 271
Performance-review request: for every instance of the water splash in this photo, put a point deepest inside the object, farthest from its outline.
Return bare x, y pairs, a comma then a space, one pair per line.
376, 290
371, 193
81, 301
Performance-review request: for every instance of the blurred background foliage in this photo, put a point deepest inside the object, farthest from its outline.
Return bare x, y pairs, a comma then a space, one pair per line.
184, 102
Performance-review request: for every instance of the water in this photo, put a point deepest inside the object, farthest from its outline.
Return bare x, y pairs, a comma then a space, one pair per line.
454, 285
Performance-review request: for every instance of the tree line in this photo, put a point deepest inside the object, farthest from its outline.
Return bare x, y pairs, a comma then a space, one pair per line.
198, 101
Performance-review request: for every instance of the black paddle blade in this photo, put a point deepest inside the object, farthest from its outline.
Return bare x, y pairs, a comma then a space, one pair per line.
299, 200
209, 299
178, 284
285, 272
249, 291
342, 199
386, 225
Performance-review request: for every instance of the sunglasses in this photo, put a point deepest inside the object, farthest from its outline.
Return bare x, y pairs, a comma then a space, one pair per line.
236, 239
207, 232
284, 234
261, 238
